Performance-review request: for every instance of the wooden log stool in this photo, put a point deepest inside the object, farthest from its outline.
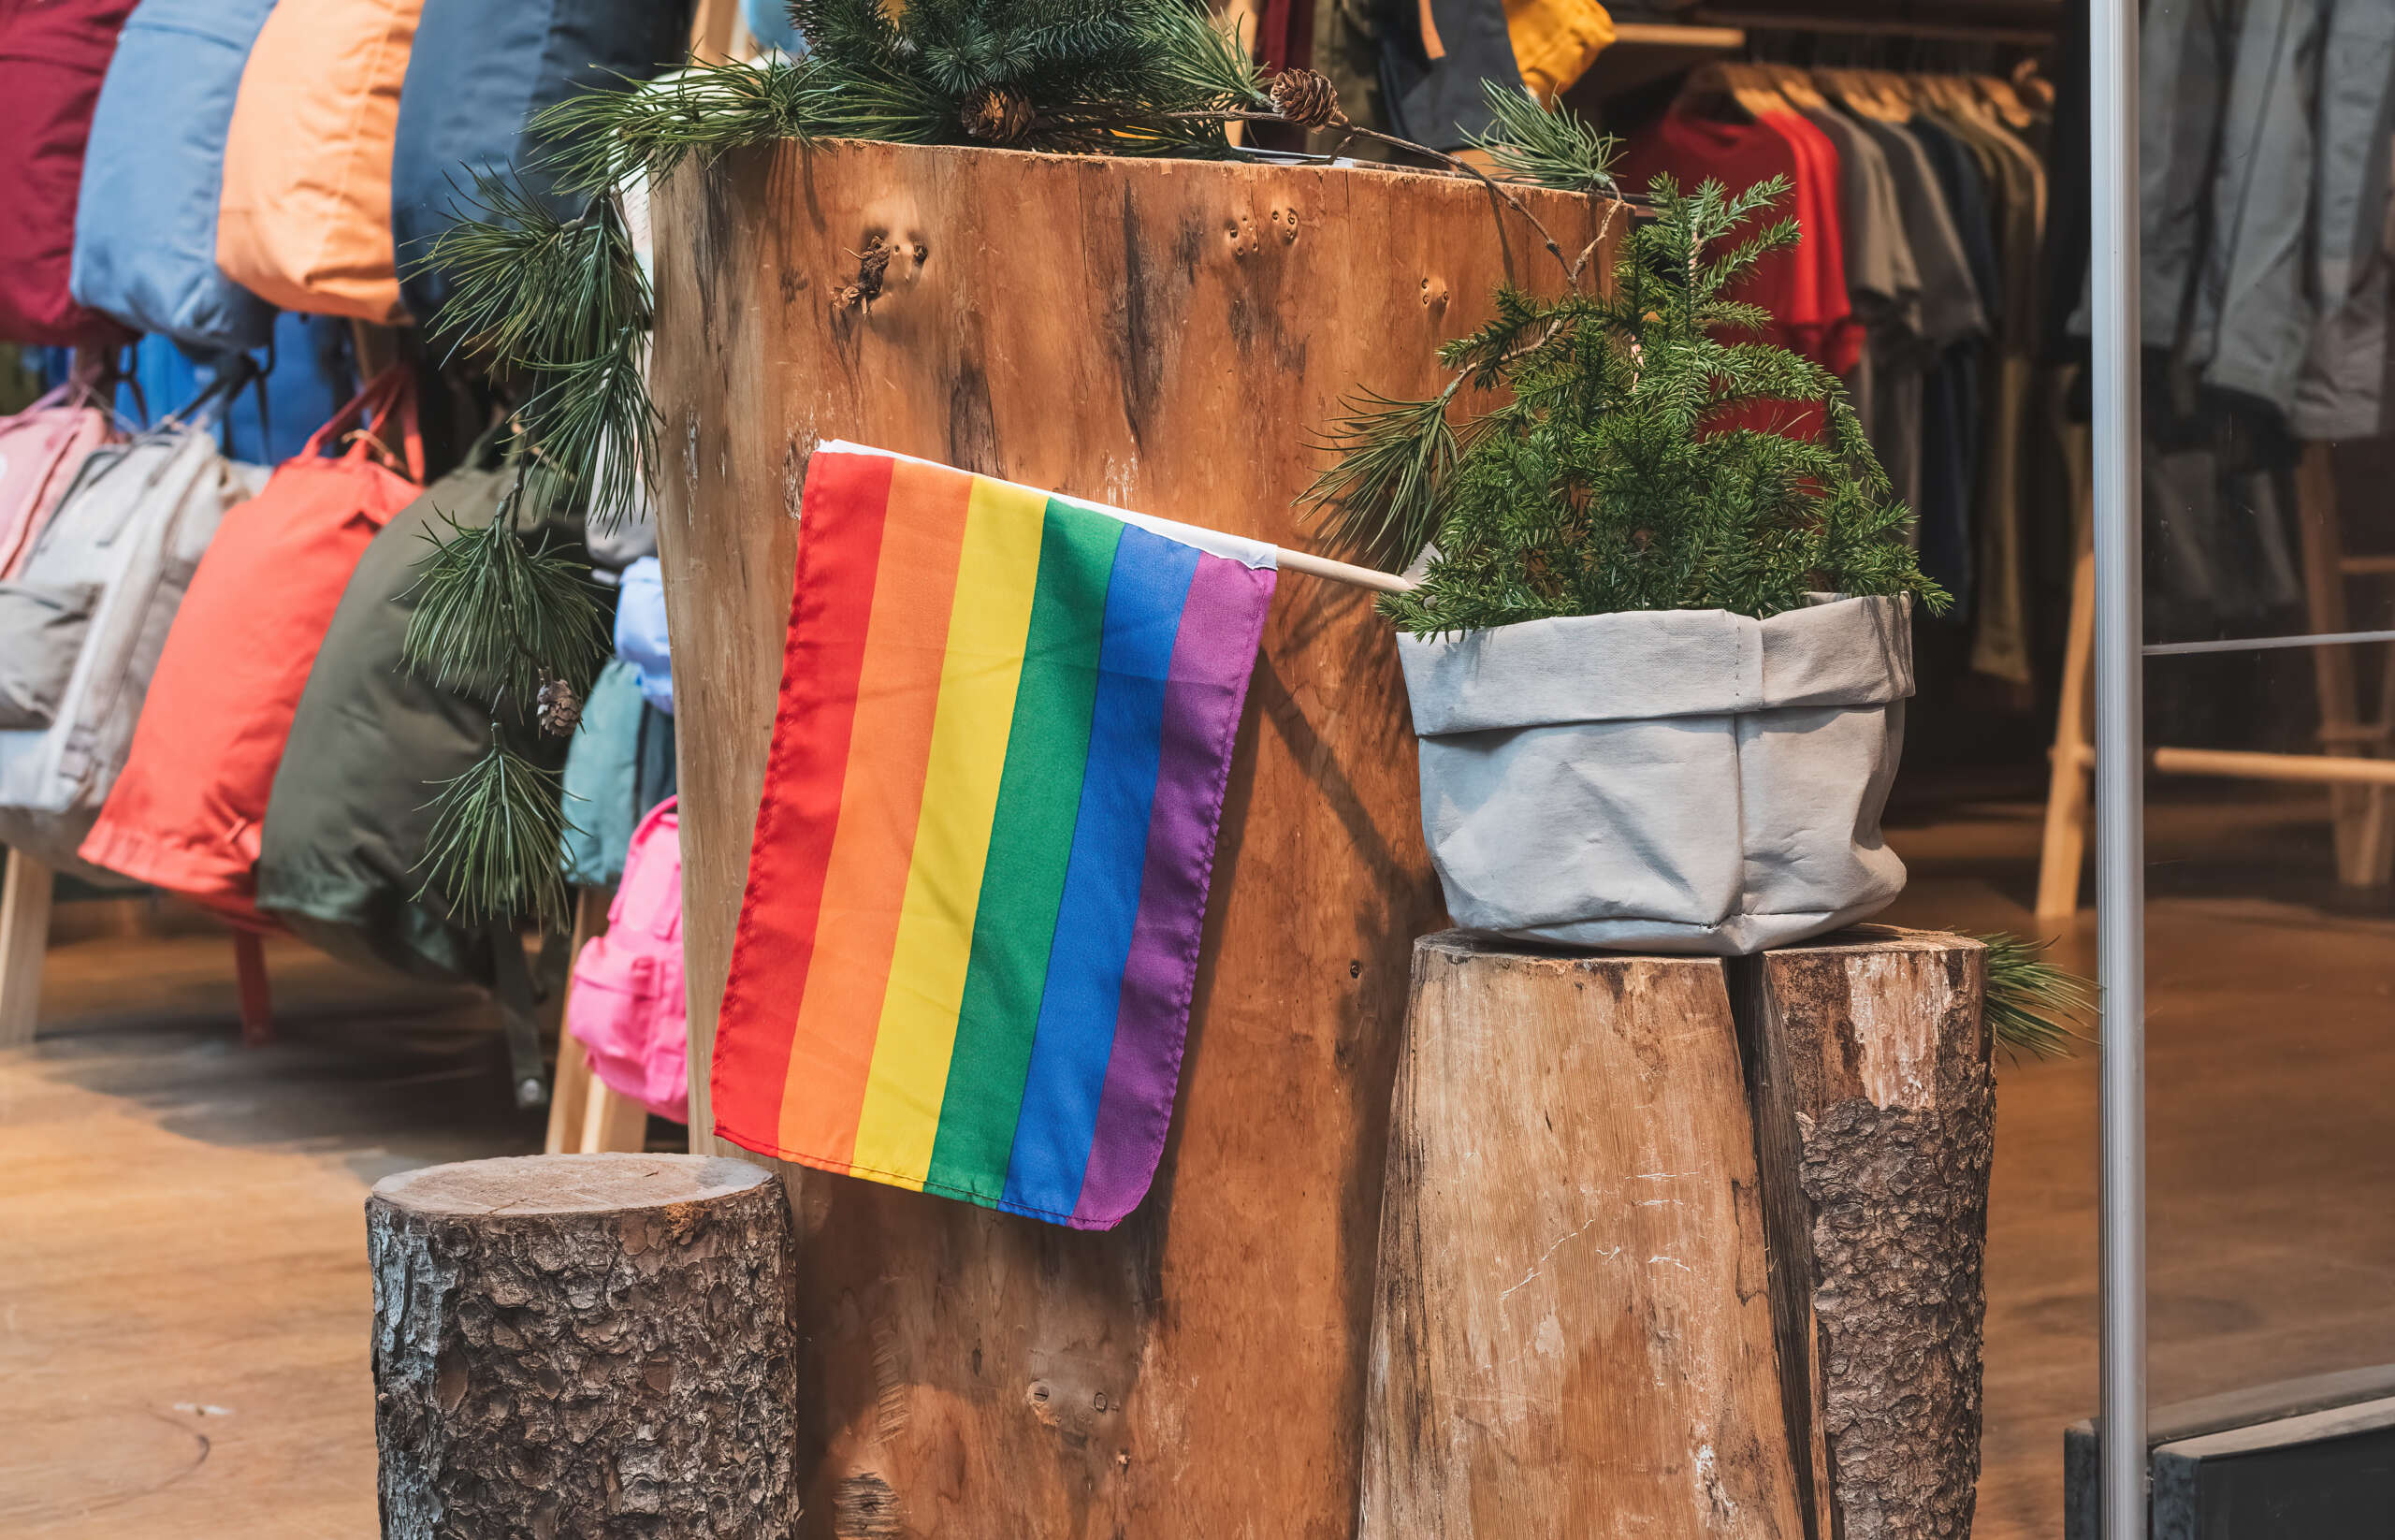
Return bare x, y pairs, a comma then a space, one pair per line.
570, 1346
1674, 1247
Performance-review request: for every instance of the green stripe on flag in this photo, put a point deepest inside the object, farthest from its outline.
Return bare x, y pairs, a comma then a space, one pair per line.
1031, 840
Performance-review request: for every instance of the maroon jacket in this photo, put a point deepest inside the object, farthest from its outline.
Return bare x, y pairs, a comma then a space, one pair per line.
52, 54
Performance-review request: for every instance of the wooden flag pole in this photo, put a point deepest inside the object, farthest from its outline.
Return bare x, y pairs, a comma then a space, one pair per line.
1344, 572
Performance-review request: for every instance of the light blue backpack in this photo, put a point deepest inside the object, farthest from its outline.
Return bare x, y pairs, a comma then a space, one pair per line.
145, 233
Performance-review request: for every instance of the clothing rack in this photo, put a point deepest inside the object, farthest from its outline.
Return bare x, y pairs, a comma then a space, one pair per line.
1868, 26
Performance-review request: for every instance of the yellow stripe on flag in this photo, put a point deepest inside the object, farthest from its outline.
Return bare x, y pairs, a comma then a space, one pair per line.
988, 622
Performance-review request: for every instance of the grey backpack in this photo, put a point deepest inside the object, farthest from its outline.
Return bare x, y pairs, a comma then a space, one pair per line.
85, 619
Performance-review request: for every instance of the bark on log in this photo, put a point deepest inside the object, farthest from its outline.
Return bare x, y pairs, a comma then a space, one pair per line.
1574, 1335
583, 1345
1869, 1066
1166, 336
1654, 1265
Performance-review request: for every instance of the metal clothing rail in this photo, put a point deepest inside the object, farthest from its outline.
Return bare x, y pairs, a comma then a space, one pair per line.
2120, 762
2267, 644
1873, 26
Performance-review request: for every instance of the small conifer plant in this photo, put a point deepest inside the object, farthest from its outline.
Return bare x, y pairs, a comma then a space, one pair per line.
1637, 459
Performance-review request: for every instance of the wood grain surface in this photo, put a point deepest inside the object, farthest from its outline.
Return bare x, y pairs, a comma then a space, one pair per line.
1575, 1335
1166, 336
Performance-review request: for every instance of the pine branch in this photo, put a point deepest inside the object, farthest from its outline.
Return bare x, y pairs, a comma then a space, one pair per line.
1381, 499
1549, 147
492, 854
1640, 461
497, 611
2034, 1006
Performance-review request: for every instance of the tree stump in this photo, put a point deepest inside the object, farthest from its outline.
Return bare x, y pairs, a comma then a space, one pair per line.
1682, 1249
1166, 336
571, 1346
1869, 1061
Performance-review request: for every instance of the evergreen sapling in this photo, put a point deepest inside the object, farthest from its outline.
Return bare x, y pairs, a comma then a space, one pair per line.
1644, 458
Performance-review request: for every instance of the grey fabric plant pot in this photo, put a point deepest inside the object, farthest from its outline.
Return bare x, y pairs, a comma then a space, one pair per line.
1664, 780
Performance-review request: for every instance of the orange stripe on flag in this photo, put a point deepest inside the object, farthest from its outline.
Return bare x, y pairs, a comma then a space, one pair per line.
864, 881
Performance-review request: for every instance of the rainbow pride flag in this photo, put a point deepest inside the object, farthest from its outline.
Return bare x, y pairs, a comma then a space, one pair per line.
964, 956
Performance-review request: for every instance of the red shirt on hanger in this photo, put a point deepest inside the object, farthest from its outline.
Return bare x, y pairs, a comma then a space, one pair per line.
1803, 287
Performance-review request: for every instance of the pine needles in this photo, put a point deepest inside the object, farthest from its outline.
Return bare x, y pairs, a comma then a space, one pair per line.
2033, 1005
493, 850
564, 305
1529, 142
499, 612
1634, 464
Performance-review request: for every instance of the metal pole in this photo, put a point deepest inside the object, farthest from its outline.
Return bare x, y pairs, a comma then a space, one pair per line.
2120, 759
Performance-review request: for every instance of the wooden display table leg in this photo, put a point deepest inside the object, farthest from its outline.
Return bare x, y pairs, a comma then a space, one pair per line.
258, 997
584, 1346
25, 945
570, 1087
613, 1123
1652, 1265
2068, 792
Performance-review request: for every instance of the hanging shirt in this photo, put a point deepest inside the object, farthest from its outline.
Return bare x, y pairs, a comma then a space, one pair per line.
1805, 286
1884, 286
1952, 437
1819, 216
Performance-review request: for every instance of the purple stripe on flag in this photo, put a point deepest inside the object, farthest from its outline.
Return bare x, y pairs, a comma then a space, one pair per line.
1220, 622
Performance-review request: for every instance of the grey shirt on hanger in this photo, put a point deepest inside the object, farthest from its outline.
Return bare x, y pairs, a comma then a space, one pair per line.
1883, 284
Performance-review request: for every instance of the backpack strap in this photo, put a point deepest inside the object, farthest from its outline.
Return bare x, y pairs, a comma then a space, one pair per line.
389, 394
519, 1014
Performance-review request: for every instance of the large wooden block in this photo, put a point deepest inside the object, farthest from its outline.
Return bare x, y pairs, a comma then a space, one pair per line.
1168, 336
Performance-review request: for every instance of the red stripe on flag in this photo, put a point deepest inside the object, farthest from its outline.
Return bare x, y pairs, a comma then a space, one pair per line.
831, 600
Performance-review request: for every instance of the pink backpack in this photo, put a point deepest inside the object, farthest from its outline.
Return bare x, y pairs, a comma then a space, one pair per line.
626, 1005
40, 450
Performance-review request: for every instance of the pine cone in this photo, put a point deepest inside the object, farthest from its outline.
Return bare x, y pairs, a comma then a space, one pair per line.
996, 115
559, 708
1307, 98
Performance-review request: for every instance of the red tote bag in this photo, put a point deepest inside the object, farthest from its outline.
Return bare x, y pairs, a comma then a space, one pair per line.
185, 813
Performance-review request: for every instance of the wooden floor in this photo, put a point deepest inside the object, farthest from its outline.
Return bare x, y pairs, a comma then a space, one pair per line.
183, 1302
183, 1299
2271, 1118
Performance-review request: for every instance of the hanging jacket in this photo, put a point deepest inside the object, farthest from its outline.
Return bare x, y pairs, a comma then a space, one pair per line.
477, 75
145, 240
186, 813
120, 552
346, 823
52, 55
40, 450
627, 1007
2263, 136
1433, 64
305, 219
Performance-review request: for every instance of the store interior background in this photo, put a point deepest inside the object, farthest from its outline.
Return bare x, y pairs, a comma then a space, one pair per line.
165, 1178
